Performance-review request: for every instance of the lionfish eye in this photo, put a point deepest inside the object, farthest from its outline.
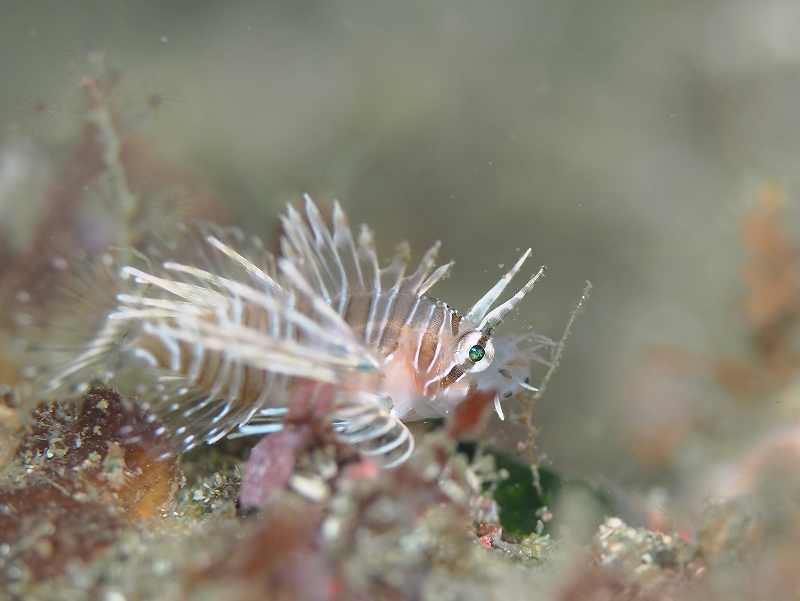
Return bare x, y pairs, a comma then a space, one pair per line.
476, 353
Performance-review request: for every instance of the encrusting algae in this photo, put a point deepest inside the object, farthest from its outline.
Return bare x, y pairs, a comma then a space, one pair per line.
74, 484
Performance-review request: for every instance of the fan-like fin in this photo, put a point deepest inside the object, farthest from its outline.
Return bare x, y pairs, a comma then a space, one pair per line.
212, 321
338, 265
440, 273
428, 263
394, 274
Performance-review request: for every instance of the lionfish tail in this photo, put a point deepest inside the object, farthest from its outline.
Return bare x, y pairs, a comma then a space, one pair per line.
67, 343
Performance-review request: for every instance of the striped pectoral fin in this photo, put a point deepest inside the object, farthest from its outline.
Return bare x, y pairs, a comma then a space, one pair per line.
185, 413
376, 432
223, 397
265, 421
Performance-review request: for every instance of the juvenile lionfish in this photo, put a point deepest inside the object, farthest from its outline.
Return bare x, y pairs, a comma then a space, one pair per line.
228, 330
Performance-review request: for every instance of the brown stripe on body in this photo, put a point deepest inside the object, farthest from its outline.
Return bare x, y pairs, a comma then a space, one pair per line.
152, 344
357, 312
253, 383
247, 386
210, 361
430, 339
456, 320
390, 336
209, 364
255, 317
255, 380
210, 367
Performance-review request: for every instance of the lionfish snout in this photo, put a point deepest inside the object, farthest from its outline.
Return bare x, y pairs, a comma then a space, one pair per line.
516, 356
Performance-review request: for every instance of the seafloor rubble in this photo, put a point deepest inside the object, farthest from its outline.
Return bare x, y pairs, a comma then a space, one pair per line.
91, 506
94, 506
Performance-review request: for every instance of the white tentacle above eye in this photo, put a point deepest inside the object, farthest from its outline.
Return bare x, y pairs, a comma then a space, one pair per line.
493, 319
481, 308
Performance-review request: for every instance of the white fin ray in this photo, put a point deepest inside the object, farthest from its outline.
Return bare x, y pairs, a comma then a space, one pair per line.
425, 267
394, 274
366, 249
440, 273
188, 292
343, 242
258, 274
312, 261
338, 264
368, 256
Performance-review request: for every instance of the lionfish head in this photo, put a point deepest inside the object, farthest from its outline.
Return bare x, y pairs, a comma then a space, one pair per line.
498, 364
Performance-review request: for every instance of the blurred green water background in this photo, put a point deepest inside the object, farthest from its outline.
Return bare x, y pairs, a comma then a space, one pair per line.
623, 141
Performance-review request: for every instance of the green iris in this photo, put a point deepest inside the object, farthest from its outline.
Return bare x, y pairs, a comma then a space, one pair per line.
476, 353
